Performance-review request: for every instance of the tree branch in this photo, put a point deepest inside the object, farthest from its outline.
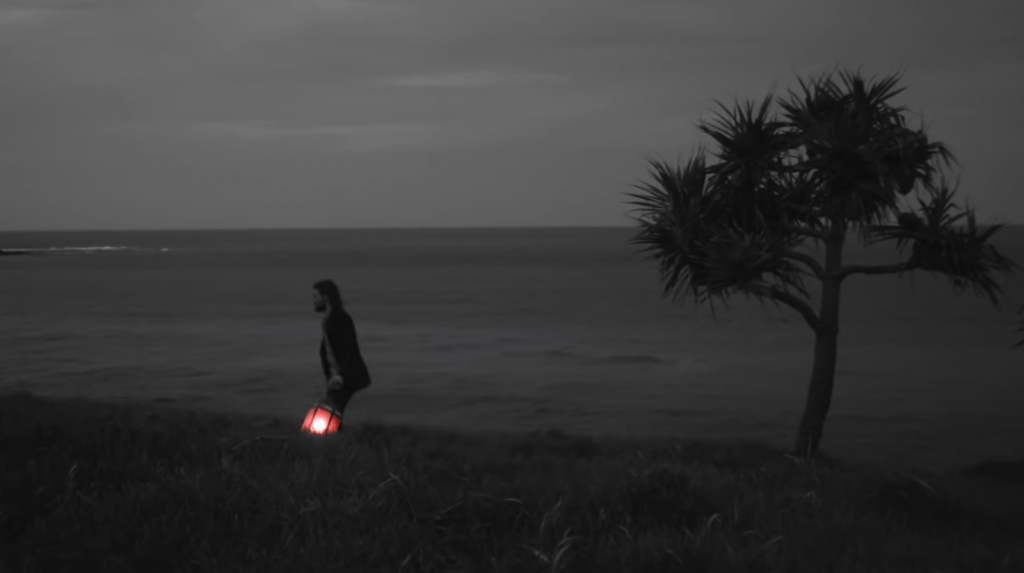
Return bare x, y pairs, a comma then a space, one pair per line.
874, 270
808, 260
789, 300
805, 231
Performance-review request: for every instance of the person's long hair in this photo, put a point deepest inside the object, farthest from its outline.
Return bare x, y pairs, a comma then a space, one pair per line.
330, 290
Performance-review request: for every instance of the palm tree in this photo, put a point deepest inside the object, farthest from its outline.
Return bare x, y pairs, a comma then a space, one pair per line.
840, 157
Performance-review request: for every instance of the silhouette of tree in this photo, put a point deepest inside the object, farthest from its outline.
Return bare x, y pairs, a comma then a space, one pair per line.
840, 157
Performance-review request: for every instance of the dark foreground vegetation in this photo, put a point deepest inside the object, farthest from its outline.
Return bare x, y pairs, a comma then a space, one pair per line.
104, 487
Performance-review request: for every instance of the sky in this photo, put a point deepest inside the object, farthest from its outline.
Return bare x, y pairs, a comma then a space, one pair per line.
191, 114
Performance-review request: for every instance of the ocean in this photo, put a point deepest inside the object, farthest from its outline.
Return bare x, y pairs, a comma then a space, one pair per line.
512, 330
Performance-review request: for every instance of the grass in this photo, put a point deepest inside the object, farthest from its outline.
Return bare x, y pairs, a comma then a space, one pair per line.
87, 486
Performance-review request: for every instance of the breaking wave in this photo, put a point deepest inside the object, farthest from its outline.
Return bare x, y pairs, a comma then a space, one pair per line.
89, 250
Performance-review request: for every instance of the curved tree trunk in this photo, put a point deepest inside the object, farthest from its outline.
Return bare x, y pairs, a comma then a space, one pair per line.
819, 392
819, 395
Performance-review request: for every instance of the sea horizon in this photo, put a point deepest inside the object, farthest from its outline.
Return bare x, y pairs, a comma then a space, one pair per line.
509, 329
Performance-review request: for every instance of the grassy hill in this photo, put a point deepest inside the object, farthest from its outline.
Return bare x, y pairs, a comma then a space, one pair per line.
88, 486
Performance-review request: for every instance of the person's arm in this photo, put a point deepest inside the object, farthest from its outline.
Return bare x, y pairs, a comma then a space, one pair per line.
323, 360
340, 334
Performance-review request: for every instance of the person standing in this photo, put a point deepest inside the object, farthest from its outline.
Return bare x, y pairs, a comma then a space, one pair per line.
345, 372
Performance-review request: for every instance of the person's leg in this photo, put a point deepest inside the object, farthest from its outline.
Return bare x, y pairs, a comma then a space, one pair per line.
339, 397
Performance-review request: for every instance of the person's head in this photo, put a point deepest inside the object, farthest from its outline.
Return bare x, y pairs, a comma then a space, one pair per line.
326, 296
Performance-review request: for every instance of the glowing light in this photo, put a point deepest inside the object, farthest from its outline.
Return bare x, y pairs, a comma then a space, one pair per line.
322, 419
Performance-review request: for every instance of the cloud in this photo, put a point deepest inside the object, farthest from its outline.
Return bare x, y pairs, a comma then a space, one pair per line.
238, 24
12, 17
466, 79
382, 136
296, 85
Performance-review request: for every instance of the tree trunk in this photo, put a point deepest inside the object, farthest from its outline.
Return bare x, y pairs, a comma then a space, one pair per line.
819, 395
819, 392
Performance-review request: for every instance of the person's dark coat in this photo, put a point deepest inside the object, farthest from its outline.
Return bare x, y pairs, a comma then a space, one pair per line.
341, 332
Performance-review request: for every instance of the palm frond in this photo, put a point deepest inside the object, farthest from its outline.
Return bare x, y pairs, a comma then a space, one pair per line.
702, 251
858, 146
751, 142
962, 253
840, 155
877, 94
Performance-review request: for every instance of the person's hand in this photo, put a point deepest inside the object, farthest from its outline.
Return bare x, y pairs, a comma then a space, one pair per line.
334, 383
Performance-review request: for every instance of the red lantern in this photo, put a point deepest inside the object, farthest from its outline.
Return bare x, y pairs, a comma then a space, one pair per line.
322, 419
